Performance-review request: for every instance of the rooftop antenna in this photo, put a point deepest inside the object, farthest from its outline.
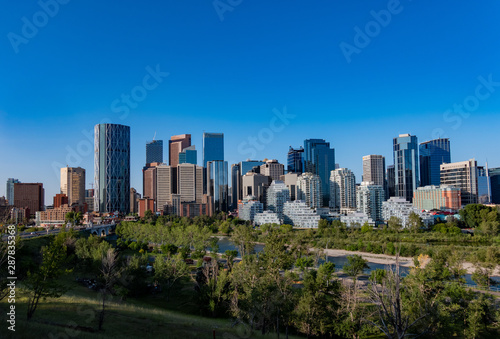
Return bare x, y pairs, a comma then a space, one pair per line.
154, 136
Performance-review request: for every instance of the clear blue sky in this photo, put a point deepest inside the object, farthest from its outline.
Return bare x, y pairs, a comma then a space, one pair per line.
229, 75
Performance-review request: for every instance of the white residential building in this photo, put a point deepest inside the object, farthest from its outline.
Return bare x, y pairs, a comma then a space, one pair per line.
248, 208
277, 194
400, 208
356, 219
342, 189
267, 217
369, 199
299, 214
309, 190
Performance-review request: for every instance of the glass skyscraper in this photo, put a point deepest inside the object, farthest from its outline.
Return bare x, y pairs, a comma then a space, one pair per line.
10, 190
189, 155
495, 184
433, 153
213, 147
112, 168
406, 176
217, 185
295, 163
154, 151
319, 159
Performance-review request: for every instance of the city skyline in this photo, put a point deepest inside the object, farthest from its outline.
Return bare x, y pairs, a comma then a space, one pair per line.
280, 83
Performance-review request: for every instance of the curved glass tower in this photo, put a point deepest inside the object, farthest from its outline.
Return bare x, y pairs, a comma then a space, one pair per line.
111, 168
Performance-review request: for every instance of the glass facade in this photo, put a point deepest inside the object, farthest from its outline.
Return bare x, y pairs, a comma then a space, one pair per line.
432, 154
112, 168
295, 163
10, 190
217, 184
406, 160
189, 155
154, 151
213, 147
495, 184
391, 182
319, 159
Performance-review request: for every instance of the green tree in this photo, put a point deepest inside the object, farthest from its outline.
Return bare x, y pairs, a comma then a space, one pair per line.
355, 266
244, 238
415, 223
110, 272
230, 255
394, 224
169, 271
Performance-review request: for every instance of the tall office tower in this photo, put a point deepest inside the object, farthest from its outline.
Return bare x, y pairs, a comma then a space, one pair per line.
73, 185
10, 190
89, 200
149, 183
369, 199
165, 185
433, 153
133, 200
277, 195
154, 151
217, 185
112, 168
213, 147
189, 155
175, 146
342, 190
255, 185
494, 174
190, 183
273, 169
290, 180
31, 195
309, 189
391, 182
464, 176
319, 159
295, 160
235, 185
483, 185
406, 175
374, 169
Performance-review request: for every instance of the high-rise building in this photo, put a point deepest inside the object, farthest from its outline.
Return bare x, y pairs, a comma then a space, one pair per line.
437, 198
374, 169
248, 208
89, 200
483, 185
299, 214
217, 185
309, 189
343, 190
10, 190
165, 185
112, 168
73, 185
248, 165
273, 169
319, 159
290, 180
175, 146
190, 183
30, 195
213, 147
464, 176
149, 183
495, 184
277, 195
189, 155
154, 151
235, 185
134, 200
406, 160
295, 160
391, 182
401, 208
369, 199
255, 184
433, 153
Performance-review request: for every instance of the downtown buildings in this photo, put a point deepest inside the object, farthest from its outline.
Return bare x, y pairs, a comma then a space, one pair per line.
406, 175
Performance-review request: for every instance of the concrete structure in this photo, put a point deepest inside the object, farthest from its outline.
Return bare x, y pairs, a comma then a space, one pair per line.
55, 216
237, 173
369, 199
213, 147
483, 185
175, 146
374, 169
273, 169
298, 214
249, 207
190, 182
494, 174
309, 190
290, 180
60, 199
401, 208
295, 160
165, 185
154, 151
464, 176
149, 181
391, 182
356, 219
10, 190
134, 201
30, 195
112, 168
342, 190
267, 217
277, 195
437, 198
73, 185
89, 200
217, 185
189, 155
406, 174
146, 204
319, 159
433, 154
18, 214
255, 184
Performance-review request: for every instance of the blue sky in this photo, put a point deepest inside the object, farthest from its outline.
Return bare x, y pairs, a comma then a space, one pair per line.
410, 73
